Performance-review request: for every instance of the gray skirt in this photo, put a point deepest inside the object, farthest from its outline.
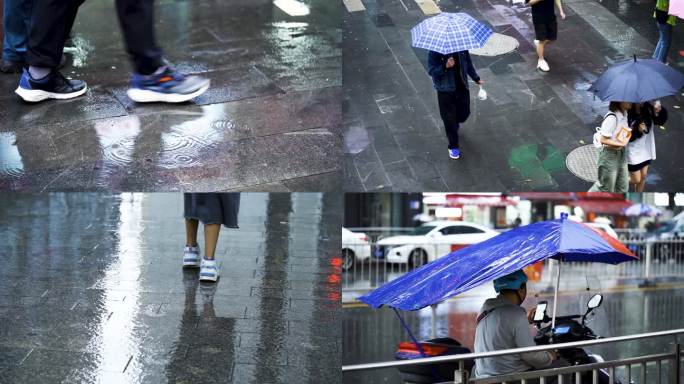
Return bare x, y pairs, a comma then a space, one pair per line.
213, 208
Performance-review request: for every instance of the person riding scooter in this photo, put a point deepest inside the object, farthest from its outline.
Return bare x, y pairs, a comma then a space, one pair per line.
503, 324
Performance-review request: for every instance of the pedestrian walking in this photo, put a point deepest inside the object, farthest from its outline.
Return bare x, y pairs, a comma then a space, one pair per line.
16, 21
545, 26
641, 150
665, 22
450, 78
153, 79
16, 25
615, 133
213, 210
448, 37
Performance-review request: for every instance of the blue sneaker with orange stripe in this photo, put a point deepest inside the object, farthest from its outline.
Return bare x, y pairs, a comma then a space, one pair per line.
166, 85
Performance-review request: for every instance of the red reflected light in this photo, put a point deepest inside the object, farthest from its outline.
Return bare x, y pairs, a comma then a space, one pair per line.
336, 261
334, 296
334, 279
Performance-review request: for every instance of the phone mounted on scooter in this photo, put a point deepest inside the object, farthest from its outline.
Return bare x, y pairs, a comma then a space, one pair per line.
540, 313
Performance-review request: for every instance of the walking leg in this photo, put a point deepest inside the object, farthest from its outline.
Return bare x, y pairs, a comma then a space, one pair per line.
211, 234
191, 227
136, 18
51, 23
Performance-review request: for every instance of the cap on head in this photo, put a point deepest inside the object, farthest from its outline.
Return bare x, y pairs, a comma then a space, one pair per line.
512, 281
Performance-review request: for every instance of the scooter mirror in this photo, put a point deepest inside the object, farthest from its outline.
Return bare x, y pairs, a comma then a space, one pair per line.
595, 301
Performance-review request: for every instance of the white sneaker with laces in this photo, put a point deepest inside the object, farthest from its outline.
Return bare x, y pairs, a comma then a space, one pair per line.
209, 270
543, 65
191, 257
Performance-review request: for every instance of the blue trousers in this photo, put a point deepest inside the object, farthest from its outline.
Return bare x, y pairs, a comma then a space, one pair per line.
663, 46
16, 20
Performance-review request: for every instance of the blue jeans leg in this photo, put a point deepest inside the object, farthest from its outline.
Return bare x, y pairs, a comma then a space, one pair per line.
664, 42
17, 18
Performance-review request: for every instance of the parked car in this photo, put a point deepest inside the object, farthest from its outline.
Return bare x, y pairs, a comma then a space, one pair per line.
355, 248
604, 227
431, 241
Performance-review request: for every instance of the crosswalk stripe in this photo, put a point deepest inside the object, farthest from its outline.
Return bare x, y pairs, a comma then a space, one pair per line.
354, 5
428, 7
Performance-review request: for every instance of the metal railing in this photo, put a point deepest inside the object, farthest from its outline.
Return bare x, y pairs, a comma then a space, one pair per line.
462, 376
657, 259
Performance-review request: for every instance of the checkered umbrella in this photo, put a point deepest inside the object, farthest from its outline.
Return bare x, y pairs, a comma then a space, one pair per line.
450, 32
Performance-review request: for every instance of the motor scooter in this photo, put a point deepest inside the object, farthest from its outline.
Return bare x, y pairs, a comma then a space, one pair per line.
567, 329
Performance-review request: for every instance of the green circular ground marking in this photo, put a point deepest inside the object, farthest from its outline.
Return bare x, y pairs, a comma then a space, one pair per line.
496, 45
583, 162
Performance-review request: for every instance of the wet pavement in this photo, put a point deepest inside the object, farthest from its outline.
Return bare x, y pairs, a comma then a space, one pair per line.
270, 120
372, 335
518, 138
92, 291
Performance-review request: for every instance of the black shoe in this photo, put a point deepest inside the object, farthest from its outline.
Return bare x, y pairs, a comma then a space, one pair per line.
12, 66
52, 86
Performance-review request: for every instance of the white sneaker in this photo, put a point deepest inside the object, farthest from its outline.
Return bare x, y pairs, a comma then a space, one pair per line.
543, 65
209, 270
191, 257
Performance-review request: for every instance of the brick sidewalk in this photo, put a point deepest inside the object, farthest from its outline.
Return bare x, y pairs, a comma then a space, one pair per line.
91, 288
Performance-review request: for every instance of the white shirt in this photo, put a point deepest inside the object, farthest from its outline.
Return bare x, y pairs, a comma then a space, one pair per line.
620, 131
642, 149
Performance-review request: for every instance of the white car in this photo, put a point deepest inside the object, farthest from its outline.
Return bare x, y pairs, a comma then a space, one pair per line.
431, 241
605, 228
355, 248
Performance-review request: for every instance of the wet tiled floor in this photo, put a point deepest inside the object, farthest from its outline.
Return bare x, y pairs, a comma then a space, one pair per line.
518, 138
270, 121
92, 291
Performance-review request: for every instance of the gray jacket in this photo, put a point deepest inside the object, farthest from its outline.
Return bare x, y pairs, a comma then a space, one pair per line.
505, 327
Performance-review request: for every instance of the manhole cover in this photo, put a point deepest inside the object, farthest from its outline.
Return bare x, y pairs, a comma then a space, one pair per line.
583, 162
497, 44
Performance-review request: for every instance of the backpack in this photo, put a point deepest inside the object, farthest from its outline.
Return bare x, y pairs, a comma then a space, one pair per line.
597, 134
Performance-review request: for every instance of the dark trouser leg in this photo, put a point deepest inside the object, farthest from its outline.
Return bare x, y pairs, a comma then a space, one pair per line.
447, 110
452, 135
51, 22
136, 18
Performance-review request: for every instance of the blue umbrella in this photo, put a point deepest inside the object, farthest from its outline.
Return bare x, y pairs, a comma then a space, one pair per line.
637, 81
450, 32
477, 264
641, 210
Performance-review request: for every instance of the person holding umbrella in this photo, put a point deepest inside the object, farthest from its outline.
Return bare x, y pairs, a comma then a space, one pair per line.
632, 82
643, 117
448, 36
450, 78
503, 324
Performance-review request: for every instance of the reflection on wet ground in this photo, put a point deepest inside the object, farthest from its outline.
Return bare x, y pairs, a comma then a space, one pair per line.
519, 137
91, 290
372, 335
270, 121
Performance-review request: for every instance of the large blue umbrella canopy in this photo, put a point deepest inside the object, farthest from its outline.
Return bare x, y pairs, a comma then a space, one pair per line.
637, 81
450, 32
477, 264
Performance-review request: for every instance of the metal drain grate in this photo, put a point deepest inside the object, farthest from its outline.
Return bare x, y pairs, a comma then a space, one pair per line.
583, 162
496, 45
